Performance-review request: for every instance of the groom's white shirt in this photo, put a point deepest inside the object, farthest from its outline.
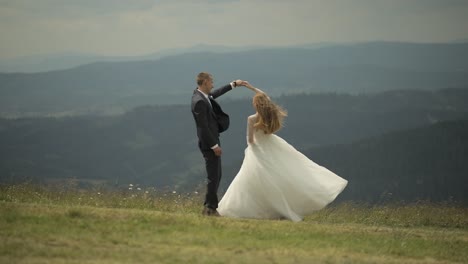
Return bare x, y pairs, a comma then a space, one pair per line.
206, 96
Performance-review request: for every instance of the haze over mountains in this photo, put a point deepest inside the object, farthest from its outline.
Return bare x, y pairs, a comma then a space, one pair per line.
114, 87
378, 142
62, 61
389, 117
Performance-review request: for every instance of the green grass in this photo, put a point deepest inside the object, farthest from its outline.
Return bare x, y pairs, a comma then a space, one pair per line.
39, 225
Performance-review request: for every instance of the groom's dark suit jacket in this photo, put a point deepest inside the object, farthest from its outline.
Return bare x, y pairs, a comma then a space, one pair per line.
210, 119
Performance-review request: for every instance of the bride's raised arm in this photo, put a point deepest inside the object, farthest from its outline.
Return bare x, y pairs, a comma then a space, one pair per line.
249, 86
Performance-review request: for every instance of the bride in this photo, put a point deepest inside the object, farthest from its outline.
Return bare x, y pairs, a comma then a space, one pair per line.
275, 180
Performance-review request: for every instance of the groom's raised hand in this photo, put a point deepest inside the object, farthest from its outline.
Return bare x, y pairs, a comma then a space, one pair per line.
239, 82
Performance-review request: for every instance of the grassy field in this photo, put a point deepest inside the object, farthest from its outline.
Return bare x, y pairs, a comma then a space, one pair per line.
39, 225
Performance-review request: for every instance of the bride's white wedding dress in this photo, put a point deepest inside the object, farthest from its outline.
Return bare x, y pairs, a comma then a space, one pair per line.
276, 181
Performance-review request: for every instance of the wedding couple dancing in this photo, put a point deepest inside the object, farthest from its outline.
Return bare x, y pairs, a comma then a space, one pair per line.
275, 180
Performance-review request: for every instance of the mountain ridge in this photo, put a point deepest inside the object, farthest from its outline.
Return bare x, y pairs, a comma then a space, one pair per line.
156, 145
423, 163
357, 68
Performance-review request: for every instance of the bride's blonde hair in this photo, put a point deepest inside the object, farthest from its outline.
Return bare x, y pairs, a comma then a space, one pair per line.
270, 115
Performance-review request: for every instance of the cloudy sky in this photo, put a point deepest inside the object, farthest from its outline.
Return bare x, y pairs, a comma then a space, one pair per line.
137, 27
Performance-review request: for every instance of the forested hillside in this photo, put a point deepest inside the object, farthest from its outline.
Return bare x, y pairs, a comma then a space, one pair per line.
157, 145
428, 163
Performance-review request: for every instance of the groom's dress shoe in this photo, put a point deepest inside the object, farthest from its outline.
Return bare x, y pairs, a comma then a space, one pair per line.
205, 211
214, 212
210, 212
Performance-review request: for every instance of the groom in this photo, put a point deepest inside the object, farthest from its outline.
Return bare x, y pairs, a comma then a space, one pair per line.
210, 121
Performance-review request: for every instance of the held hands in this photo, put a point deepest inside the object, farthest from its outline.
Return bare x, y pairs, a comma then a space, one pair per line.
246, 84
242, 83
239, 83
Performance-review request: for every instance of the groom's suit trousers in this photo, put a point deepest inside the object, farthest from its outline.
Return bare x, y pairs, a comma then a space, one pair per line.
213, 170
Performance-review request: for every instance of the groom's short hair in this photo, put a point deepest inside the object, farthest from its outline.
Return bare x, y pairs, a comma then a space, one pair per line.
202, 76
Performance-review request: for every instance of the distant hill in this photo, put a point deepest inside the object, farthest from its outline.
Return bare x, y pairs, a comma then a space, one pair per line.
113, 87
156, 145
427, 163
67, 60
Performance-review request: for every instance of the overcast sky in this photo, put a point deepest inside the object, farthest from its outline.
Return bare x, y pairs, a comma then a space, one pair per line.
136, 27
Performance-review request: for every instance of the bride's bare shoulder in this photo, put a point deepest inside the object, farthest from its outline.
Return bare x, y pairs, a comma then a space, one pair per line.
252, 118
